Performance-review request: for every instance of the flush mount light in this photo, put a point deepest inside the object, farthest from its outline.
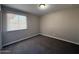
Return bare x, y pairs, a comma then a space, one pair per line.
43, 6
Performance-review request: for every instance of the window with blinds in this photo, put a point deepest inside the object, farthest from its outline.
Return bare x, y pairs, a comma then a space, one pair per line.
16, 22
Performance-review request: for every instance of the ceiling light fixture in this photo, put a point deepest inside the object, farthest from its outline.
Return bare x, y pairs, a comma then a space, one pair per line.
43, 6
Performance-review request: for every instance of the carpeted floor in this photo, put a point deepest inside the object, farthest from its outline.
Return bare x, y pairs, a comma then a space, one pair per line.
42, 45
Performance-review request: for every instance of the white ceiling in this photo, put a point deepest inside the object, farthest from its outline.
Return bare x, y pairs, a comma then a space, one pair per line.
32, 8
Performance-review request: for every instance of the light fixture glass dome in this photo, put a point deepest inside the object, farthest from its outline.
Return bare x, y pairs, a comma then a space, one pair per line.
43, 6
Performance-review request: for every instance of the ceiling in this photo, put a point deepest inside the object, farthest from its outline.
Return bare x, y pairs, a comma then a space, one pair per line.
33, 8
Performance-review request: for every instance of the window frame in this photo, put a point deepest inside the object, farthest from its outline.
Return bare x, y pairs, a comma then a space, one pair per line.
17, 13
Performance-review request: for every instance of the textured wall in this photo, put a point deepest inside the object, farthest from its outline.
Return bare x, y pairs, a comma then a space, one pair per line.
63, 24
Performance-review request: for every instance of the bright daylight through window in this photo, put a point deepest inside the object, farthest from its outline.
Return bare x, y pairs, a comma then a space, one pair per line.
16, 22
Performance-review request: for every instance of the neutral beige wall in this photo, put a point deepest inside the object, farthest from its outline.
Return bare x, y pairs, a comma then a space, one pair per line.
10, 37
62, 24
33, 29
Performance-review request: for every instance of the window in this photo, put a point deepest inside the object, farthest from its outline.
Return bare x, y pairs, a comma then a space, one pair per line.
16, 22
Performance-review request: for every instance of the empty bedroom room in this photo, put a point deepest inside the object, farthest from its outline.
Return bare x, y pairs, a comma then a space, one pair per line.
39, 28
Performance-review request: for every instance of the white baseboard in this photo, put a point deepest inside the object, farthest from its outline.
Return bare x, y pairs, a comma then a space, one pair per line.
59, 38
18, 40
40, 34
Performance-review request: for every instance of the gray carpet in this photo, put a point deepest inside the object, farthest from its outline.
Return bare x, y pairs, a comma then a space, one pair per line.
41, 45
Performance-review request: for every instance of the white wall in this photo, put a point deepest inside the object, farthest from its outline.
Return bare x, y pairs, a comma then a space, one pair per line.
61, 24
33, 29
